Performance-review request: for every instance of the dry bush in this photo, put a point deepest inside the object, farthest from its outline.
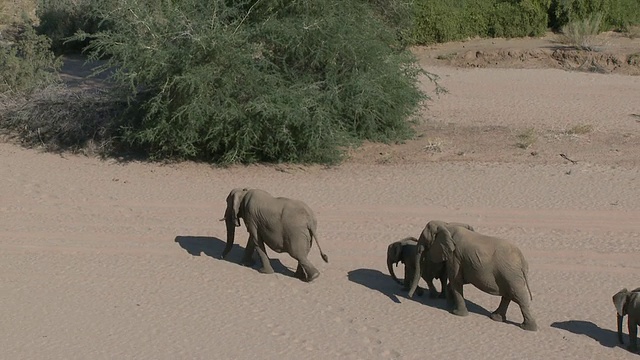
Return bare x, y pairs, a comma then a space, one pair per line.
582, 33
57, 118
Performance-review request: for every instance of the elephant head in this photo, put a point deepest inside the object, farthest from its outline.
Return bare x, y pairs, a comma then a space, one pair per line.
436, 240
232, 216
621, 301
394, 254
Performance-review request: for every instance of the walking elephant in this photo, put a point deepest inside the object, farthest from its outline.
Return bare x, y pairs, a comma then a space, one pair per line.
285, 225
493, 265
404, 251
628, 303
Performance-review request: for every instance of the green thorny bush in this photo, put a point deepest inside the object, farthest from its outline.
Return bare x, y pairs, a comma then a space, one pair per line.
449, 20
267, 80
27, 64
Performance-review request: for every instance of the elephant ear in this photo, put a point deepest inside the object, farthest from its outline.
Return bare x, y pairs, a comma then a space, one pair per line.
233, 205
394, 252
443, 246
620, 301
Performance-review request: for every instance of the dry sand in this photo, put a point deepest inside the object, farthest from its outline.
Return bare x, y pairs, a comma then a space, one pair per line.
106, 260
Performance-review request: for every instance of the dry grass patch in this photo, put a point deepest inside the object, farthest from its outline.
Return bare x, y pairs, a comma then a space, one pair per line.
434, 146
579, 129
633, 32
526, 138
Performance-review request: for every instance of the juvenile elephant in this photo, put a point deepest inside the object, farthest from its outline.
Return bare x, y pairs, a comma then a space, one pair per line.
628, 303
404, 251
493, 265
285, 225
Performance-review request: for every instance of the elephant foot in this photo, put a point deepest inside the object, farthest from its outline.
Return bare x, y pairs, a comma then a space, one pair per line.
498, 317
460, 312
266, 270
313, 277
529, 326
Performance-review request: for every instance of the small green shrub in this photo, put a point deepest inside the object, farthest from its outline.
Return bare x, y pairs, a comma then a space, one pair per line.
291, 81
28, 63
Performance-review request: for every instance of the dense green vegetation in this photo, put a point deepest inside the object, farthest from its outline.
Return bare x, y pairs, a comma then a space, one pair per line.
447, 20
232, 81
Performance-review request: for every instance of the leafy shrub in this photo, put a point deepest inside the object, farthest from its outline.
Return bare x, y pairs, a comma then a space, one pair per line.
258, 80
518, 19
447, 20
60, 19
28, 63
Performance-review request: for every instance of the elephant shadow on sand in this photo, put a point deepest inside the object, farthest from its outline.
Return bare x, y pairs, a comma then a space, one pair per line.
383, 283
605, 337
213, 247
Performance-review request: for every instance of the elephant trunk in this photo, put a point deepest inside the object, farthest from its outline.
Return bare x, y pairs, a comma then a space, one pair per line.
619, 318
418, 271
231, 233
393, 274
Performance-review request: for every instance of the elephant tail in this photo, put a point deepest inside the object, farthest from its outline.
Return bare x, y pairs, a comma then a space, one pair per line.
323, 255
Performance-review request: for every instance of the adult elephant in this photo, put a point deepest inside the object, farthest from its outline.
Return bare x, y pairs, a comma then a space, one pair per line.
493, 265
285, 225
628, 303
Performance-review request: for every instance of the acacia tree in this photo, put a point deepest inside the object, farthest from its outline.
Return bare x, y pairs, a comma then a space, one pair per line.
271, 80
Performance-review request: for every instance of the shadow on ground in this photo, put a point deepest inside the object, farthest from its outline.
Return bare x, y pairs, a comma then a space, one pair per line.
383, 283
213, 247
605, 337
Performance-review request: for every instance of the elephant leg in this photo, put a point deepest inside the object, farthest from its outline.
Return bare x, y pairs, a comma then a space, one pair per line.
433, 293
247, 259
443, 287
299, 272
633, 334
457, 282
449, 295
408, 275
529, 322
459, 307
501, 312
259, 247
311, 272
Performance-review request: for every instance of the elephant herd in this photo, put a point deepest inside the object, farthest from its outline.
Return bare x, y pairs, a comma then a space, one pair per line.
452, 252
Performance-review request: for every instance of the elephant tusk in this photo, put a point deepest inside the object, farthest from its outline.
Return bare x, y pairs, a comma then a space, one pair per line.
223, 219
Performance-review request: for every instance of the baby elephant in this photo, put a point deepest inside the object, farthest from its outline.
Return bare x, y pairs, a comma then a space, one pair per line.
628, 303
404, 251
